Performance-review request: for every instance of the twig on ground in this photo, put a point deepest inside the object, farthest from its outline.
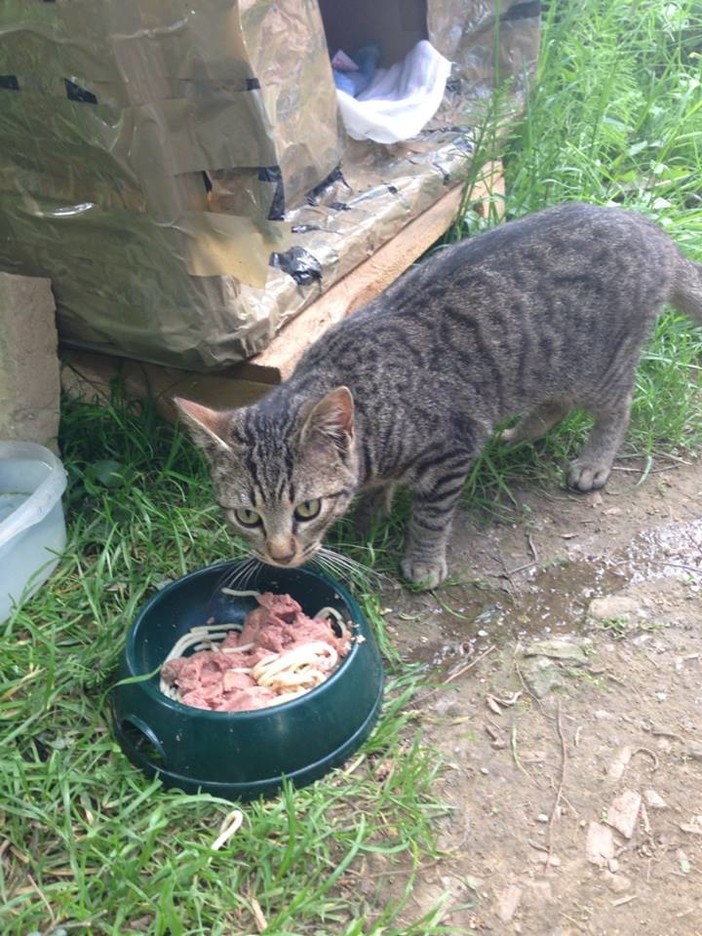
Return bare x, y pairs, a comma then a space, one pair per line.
605, 672
258, 915
515, 755
527, 689
43, 899
651, 754
532, 547
507, 573
624, 900
522, 568
561, 782
464, 669
662, 733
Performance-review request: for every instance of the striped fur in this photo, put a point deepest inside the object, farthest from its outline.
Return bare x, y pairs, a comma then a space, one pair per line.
531, 319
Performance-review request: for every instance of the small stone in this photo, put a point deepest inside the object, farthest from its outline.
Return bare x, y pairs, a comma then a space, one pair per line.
540, 893
543, 858
602, 715
508, 902
542, 676
654, 800
599, 845
694, 827
613, 607
618, 883
620, 763
623, 812
558, 650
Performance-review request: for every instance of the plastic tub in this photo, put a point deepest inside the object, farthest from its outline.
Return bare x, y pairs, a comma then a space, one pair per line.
32, 523
242, 755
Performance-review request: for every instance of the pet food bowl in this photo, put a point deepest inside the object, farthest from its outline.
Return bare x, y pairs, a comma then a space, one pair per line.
242, 755
32, 524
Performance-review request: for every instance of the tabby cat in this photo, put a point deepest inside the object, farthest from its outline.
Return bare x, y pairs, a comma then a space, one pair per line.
533, 318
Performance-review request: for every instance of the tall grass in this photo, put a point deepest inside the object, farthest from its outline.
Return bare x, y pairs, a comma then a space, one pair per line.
614, 116
87, 843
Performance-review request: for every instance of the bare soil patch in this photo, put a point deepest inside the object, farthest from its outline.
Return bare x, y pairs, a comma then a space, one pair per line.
568, 712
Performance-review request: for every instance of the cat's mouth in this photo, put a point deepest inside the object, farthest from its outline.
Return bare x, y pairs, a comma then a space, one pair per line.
288, 562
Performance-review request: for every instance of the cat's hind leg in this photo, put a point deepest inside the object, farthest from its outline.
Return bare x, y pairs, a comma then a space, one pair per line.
536, 423
593, 466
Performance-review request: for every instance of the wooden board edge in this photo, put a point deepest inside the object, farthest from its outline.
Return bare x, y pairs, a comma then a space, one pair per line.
372, 276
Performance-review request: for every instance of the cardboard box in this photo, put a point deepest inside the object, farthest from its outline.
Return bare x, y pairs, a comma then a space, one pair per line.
179, 172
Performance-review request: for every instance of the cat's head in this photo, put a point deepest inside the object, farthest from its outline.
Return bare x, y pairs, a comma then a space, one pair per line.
282, 474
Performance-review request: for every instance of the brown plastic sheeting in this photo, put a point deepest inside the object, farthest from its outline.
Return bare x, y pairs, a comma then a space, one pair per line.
155, 156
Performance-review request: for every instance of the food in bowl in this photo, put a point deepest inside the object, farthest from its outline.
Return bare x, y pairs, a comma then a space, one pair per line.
279, 654
242, 755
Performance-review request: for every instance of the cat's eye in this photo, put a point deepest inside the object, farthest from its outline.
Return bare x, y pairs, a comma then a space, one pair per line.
247, 517
308, 509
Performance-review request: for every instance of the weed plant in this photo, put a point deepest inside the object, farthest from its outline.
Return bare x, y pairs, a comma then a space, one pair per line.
90, 845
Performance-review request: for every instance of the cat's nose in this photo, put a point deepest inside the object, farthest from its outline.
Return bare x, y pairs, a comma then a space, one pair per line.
282, 551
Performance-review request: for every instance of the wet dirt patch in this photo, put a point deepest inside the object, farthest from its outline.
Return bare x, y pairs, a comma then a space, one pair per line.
567, 659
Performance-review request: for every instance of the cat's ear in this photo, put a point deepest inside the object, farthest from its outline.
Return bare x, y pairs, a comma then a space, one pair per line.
331, 419
208, 428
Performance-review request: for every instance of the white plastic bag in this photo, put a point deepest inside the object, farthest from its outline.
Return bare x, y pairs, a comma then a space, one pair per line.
400, 100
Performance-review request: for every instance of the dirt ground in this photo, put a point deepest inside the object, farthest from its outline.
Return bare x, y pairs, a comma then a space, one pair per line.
568, 711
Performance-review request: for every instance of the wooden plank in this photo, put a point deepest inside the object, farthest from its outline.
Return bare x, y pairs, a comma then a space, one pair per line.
370, 278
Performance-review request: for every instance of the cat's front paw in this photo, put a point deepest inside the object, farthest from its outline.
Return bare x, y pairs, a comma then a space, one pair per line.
586, 476
424, 575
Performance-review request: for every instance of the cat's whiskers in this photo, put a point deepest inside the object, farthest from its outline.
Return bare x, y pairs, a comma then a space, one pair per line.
241, 578
345, 567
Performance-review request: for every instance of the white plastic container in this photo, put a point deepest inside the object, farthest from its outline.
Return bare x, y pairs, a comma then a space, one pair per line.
32, 523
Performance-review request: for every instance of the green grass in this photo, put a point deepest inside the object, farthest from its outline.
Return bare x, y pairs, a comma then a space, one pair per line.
87, 843
87, 840
614, 117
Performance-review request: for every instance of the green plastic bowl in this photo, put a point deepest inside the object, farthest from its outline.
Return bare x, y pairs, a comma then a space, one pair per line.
242, 755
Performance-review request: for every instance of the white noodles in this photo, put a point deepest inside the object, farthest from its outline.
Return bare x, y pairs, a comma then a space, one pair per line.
289, 673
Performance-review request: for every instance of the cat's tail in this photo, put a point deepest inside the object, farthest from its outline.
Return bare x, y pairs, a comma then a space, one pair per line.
687, 288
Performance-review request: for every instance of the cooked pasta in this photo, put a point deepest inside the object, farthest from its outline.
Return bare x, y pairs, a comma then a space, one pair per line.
278, 654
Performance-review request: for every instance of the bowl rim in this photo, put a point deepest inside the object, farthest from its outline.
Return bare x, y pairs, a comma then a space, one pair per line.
149, 683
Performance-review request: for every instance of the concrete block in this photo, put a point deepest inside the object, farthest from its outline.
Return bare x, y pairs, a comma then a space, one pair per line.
29, 365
